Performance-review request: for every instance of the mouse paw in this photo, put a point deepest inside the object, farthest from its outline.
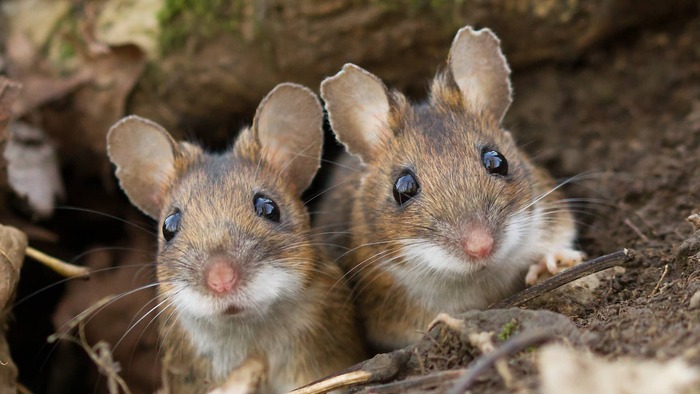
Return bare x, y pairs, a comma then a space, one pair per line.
553, 263
449, 321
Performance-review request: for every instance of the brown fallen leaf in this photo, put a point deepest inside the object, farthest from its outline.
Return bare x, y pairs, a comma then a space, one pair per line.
41, 83
13, 243
32, 168
103, 101
40, 89
12, 246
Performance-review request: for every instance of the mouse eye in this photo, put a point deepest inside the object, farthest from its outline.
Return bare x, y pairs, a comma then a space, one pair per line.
266, 208
495, 162
405, 188
171, 225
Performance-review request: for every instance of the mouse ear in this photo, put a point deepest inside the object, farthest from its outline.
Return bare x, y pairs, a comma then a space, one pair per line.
144, 154
359, 110
481, 71
288, 125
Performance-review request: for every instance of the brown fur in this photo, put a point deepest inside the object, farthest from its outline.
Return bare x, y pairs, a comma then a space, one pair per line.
441, 142
300, 336
331, 344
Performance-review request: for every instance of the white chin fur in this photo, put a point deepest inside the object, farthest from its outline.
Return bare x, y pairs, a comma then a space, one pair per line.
443, 282
255, 297
517, 246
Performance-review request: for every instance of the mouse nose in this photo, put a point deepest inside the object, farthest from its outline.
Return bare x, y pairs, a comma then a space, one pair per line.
478, 243
221, 276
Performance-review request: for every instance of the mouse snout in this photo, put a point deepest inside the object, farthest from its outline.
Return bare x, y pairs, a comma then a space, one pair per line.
221, 276
477, 242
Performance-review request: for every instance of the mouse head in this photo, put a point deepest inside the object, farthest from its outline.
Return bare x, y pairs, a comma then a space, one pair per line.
234, 233
444, 183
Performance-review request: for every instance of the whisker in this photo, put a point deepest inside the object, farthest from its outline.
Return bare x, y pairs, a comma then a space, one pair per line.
86, 210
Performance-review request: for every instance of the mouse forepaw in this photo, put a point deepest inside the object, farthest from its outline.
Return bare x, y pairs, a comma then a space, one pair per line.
553, 263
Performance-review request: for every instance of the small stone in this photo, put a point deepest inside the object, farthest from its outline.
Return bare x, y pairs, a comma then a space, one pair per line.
694, 219
695, 300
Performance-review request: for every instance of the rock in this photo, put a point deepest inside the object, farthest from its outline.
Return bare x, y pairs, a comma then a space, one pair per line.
566, 371
695, 300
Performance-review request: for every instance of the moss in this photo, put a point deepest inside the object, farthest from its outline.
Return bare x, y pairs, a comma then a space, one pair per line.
508, 330
66, 51
62, 47
181, 20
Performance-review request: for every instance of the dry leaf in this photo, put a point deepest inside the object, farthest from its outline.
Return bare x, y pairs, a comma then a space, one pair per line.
35, 18
39, 90
12, 246
13, 243
32, 168
124, 22
40, 85
102, 102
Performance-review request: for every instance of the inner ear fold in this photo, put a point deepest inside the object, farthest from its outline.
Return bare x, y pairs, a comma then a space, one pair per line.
144, 154
358, 107
481, 71
288, 126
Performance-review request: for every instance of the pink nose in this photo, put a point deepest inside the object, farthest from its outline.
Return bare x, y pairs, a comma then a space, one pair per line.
221, 276
478, 243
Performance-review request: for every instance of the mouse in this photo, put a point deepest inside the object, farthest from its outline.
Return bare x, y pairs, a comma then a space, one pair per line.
238, 275
434, 207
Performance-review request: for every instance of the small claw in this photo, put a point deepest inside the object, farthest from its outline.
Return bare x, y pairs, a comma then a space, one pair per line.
533, 273
553, 263
453, 323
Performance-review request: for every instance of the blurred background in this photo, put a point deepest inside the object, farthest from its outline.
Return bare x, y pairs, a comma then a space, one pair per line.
611, 86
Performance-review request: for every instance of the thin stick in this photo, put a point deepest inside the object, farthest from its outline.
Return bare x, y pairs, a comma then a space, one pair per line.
636, 230
61, 267
485, 361
658, 284
380, 368
466, 377
433, 379
335, 382
577, 272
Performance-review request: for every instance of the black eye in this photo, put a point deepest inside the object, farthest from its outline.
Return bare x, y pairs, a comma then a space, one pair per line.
265, 207
495, 162
171, 225
405, 188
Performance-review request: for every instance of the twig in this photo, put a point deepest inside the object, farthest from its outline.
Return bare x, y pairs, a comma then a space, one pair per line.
577, 272
466, 377
658, 284
100, 353
411, 384
379, 368
335, 382
485, 361
59, 266
484, 342
636, 230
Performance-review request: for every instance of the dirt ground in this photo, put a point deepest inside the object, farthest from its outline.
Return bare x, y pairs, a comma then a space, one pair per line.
625, 118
